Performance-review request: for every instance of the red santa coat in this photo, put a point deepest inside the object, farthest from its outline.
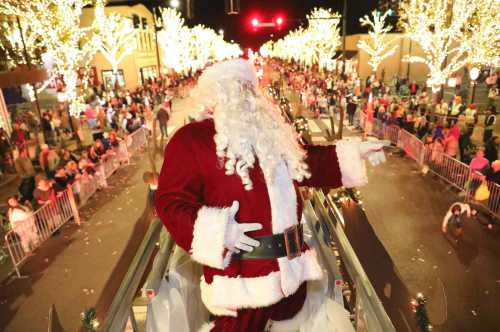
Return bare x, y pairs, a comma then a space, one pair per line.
193, 199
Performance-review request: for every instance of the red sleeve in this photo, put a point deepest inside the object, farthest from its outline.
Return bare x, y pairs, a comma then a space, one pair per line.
180, 185
324, 167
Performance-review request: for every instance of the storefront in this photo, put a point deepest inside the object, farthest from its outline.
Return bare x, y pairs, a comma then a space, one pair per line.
109, 78
147, 73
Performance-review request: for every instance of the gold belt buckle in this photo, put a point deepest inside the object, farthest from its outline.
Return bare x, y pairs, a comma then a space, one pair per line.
293, 233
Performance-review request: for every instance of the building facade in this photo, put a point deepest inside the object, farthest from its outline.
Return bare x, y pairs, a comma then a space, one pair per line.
136, 67
393, 65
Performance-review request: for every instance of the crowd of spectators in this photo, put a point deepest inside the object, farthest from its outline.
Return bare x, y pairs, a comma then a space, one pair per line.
47, 170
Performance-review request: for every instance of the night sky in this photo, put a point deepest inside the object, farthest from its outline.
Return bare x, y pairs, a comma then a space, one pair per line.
237, 27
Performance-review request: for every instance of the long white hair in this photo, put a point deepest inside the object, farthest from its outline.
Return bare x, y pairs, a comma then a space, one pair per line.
248, 126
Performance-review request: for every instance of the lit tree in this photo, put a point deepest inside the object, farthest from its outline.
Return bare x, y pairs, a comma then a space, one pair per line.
174, 40
186, 49
323, 35
118, 38
315, 44
57, 23
377, 46
438, 27
484, 34
11, 45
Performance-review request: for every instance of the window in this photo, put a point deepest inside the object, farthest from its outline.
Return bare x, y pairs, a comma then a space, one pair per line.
144, 23
109, 78
136, 21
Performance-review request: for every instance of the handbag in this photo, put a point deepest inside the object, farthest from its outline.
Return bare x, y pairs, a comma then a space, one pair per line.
482, 192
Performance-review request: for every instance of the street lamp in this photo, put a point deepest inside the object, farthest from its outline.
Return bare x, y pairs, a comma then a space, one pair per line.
221, 31
175, 3
473, 74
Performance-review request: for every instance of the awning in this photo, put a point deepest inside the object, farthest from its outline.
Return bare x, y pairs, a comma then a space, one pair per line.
22, 75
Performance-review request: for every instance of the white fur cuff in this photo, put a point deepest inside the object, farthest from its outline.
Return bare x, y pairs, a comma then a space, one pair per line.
352, 166
209, 233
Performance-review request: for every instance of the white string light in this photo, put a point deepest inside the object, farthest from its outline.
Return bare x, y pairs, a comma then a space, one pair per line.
377, 46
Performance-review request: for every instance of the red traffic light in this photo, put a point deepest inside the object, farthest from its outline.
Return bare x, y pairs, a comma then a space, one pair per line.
279, 20
255, 22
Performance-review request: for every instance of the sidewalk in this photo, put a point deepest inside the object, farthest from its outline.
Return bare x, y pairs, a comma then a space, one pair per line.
78, 268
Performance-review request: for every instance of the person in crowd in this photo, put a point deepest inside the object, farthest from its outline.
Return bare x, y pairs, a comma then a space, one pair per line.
85, 165
72, 171
493, 173
61, 179
453, 222
25, 170
491, 149
48, 159
66, 157
351, 109
5, 151
162, 117
22, 223
489, 122
450, 143
44, 193
93, 155
479, 163
19, 137
47, 129
471, 117
113, 139
413, 88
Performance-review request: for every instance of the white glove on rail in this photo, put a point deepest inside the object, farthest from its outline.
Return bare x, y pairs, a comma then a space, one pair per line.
236, 239
373, 151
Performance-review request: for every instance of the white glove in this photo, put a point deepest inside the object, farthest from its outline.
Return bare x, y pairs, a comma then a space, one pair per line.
236, 239
373, 151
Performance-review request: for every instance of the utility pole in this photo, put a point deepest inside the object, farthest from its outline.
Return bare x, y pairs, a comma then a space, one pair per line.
156, 27
344, 32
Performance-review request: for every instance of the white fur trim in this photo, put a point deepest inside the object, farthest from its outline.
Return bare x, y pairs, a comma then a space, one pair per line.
207, 327
319, 313
225, 294
283, 200
209, 234
295, 271
352, 166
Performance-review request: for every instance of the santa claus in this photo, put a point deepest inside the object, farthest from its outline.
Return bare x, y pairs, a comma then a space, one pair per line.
228, 195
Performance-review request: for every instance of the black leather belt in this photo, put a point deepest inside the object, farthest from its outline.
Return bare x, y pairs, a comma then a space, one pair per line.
287, 244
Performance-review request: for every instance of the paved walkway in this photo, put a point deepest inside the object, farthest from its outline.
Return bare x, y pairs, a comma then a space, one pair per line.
81, 267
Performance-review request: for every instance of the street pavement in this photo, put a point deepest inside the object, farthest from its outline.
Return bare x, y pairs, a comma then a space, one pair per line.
82, 266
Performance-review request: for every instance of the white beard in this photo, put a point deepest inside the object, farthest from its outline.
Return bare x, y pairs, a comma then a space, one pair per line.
248, 128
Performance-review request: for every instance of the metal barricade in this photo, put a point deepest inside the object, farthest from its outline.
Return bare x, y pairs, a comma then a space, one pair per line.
448, 168
411, 145
88, 186
110, 164
29, 234
136, 140
378, 128
391, 133
362, 119
494, 200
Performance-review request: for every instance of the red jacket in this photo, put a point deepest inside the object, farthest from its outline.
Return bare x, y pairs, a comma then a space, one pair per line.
193, 200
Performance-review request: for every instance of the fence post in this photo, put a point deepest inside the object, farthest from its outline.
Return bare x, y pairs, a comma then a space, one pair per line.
74, 208
11, 254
